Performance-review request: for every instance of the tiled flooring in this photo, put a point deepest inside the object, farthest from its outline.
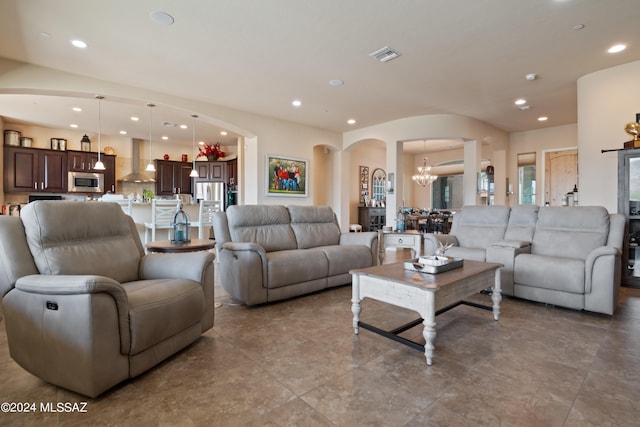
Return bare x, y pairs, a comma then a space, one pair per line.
298, 363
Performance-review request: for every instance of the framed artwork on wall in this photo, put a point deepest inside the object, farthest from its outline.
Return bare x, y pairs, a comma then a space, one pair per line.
286, 176
364, 185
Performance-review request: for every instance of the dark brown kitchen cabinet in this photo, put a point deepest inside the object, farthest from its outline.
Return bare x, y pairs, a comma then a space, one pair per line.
232, 171
34, 170
81, 161
172, 177
109, 172
211, 171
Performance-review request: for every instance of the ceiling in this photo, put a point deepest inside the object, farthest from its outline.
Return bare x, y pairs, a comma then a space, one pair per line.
456, 56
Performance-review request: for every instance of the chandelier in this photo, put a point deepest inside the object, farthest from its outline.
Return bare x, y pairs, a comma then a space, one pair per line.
424, 176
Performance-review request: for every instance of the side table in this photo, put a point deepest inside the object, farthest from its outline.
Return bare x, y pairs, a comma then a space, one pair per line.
407, 239
165, 246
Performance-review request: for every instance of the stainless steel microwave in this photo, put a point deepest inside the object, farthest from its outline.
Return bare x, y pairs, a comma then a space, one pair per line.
85, 182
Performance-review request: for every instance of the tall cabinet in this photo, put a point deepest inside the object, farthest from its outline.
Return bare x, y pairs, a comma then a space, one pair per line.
629, 205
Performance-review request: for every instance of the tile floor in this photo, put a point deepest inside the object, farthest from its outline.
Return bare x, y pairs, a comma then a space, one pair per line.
298, 363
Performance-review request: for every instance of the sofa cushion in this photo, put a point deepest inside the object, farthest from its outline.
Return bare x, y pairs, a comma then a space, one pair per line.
63, 242
161, 308
550, 272
573, 236
266, 225
289, 267
522, 223
480, 226
314, 226
343, 258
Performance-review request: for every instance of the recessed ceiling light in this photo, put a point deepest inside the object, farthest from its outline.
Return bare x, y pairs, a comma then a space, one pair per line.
135, 119
351, 121
79, 43
223, 133
77, 109
296, 103
200, 142
164, 138
617, 48
183, 126
73, 125
123, 132
162, 18
520, 101
578, 26
530, 76
336, 82
525, 107
543, 119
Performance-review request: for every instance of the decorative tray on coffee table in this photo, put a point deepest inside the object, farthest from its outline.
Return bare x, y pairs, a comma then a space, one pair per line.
433, 264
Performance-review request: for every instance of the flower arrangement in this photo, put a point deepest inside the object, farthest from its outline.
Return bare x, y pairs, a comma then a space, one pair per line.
211, 152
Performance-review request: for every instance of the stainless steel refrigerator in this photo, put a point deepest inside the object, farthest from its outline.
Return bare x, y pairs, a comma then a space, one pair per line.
211, 191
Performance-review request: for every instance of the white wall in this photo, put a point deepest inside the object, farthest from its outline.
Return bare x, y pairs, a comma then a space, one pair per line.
607, 100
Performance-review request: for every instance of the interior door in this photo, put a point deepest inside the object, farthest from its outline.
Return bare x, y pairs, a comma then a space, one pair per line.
561, 174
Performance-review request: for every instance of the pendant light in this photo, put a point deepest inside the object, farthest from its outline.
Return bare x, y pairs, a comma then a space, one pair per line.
424, 176
194, 172
150, 166
99, 165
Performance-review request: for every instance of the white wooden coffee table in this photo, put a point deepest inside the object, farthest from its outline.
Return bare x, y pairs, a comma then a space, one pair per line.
428, 294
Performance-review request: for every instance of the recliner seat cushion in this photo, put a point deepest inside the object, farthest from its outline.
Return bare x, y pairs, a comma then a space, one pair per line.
550, 272
473, 254
161, 308
286, 268
344, 258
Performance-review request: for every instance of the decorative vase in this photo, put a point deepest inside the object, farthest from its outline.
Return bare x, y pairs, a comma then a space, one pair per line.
212, 157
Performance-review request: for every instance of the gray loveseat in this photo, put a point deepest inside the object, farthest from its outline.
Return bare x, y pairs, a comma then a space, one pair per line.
272, 252
566, 256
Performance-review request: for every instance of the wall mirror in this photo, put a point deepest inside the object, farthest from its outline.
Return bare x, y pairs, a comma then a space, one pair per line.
527, 178
378, 185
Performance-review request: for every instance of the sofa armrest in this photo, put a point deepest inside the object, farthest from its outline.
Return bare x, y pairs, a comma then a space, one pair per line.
432, 242
516, 244
191, 265
62, 285
597, 260
367, 238
505, 253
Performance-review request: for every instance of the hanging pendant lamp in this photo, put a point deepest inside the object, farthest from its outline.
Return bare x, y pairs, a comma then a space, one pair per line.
99, 165
424, 176
150, 167
194, 172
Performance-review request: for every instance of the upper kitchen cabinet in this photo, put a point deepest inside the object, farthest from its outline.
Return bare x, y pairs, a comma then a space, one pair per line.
34, 170
210, 171
172, 177
81, 161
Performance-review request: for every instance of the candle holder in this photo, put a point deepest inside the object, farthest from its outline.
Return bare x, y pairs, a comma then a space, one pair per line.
180, 227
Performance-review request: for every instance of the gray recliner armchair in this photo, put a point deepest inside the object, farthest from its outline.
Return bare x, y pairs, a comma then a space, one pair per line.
84, 307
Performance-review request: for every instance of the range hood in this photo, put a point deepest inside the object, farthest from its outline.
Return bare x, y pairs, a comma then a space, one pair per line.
136, 175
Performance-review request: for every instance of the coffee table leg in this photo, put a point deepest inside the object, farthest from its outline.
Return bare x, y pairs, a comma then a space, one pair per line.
355, 301
429, 331
496, 296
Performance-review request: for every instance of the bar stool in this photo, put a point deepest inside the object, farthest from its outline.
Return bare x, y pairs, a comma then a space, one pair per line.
205, 216
162, 213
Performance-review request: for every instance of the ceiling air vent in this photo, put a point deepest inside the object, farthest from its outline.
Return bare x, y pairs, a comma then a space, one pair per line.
385, 54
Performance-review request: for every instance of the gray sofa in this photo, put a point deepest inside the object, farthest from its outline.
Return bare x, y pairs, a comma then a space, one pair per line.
272, 252
84, 307
566, 256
